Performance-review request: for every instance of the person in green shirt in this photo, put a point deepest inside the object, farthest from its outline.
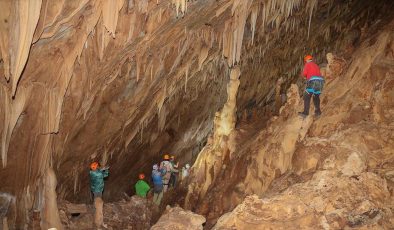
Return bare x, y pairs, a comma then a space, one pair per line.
141, 187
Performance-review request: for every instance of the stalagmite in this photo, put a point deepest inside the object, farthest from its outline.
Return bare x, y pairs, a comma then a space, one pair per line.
227, 115
224, 123
49, 212
98, 214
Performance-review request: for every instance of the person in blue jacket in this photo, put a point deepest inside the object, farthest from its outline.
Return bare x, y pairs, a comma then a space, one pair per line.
97, 179
157, 179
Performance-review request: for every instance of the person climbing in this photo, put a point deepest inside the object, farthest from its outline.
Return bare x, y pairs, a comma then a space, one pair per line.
166, 169
97, 176
157, 185
141, 187
174, 175
314, 86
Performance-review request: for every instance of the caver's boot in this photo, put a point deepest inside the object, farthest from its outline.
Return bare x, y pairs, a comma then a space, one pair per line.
302, 114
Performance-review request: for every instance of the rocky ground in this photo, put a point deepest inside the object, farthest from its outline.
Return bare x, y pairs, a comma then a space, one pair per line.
130, 213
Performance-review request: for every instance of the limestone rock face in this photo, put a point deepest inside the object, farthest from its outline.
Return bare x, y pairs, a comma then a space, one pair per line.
123, 81
287, 147
344, 161
327, 201
177, 218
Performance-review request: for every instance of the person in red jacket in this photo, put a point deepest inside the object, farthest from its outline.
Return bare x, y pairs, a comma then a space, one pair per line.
314, 86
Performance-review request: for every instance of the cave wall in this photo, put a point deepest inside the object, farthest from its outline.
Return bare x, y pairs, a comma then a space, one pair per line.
125, 81
222, 172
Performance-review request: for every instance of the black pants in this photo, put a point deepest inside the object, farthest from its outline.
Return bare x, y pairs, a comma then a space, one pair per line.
307, 102
173, 180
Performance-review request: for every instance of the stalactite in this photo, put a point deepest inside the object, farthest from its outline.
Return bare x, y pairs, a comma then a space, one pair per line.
11, 112
24, 21
253, 20
141, 131
111, 10
311, 5
162, 119
104, 157
75, 175
180, 6
138, 67
202, 56
6, 7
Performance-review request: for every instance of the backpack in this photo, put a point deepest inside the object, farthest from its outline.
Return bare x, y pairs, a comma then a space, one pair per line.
165, 167
163, 170
156, 178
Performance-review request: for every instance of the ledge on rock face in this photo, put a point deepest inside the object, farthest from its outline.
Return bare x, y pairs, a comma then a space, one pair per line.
177, 218
326, 202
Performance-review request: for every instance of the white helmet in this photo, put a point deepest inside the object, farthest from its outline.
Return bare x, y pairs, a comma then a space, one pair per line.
187, 166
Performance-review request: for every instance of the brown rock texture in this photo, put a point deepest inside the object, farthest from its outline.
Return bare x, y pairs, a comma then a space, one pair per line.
132, 213
177, 219
343, 160
124, 81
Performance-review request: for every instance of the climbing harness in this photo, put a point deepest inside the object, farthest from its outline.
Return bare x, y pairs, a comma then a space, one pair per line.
315, 85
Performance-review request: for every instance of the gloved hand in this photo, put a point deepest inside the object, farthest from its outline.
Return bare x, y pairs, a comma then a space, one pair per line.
105, 168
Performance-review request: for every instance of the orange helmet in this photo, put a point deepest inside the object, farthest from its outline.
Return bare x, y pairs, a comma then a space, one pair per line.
308, 57
166, 157
94, 165
141, 176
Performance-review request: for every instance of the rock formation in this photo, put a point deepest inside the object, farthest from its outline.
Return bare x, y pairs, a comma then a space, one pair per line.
49, 213
124, 81
343, 160
177, 218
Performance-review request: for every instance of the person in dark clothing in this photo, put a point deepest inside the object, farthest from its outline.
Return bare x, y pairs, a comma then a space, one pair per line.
314, 87
174, 174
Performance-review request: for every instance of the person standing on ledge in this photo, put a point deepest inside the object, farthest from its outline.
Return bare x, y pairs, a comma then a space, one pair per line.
141, 187
314, 86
